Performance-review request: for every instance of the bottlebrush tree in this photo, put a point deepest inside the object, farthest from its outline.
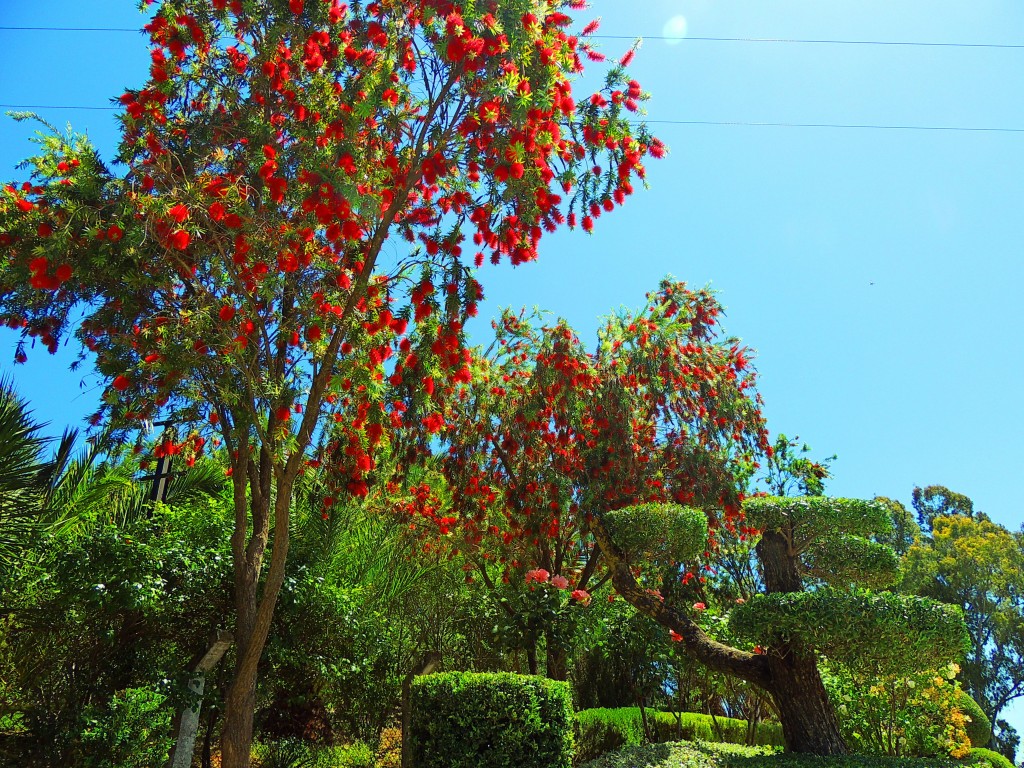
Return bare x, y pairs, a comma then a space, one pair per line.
300, 180
549, 436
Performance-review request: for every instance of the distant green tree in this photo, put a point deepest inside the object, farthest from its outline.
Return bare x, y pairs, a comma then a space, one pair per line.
970, 561
938, 501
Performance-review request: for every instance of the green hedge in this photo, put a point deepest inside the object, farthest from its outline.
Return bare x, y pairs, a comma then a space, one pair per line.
483, 720
979, 730
994, 759
604, 730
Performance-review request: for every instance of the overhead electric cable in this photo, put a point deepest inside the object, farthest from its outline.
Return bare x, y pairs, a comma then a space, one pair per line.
739, 123
683, 39
809, 41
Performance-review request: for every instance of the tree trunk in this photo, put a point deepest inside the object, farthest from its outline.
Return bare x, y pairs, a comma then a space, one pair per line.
788, 674
254, 611
557, 660
531, 656
809, 721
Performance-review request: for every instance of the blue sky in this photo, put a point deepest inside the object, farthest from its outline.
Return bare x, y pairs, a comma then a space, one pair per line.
876, 272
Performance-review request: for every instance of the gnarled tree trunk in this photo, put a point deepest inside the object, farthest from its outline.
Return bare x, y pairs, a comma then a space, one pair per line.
788, 674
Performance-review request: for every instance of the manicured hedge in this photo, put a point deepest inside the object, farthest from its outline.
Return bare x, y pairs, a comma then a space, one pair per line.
979, 730
482, 720
604, 730
994, 759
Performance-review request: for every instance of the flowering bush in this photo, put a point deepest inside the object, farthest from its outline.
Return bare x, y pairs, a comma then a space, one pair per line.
919, 715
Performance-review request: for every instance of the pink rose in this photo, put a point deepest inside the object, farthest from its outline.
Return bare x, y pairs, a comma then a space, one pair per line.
538, 575
699, 607
560, 582
581, 596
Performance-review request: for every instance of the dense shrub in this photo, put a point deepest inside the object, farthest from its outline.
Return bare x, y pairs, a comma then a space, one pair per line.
604, 730
979, 729
988, 757
132, 731
703, 755
297, 753
485, 720
917, 715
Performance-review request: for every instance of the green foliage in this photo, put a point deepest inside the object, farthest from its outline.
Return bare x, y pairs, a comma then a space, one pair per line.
979, 729
844, 560
790, 472
603, 730
977, 565
882, 631
92, 620
298, 753
132, 731
918, 714
491, 720
993, 759
658, 532
701, 755
806, 519
935, 501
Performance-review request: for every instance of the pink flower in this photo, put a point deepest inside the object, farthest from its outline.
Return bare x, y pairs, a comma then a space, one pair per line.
581, 596
538, 575
699, 607
560, 582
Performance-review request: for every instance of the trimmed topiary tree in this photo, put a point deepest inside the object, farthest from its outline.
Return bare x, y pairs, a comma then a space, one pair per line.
491, 720
816, 562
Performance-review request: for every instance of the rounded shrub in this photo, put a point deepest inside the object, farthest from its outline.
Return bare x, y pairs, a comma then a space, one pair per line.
994, 759
979, 730
658, 532
491, 720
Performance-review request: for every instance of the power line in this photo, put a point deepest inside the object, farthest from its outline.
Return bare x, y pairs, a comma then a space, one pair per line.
53, 106
737, 123
68, 29
704, 39
862, 126
808, 41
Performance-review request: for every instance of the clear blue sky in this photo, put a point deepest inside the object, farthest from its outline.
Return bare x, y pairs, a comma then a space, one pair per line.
876, 272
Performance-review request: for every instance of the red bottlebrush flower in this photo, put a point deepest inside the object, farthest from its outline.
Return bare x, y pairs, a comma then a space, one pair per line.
626, 60
120, 383
284, 413
38, 264
313, 333
44, 230
24, 205
591, 28
216, 211
227, 313
434, 422
296, 6
517, 170
179, 239
63, 272
178, 212
114, 233
428, 385
588, 224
